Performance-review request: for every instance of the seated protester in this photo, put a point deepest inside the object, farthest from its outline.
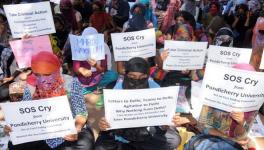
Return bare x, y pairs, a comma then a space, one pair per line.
85, 8
234, 125
62, 31
122, 12
214, 10
5, 34
49, 83
72, 17
224, 37
91, 73
143, 138
166, 19
99, 19
137, 22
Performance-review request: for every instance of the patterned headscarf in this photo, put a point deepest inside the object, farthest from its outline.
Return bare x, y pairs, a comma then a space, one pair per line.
168, 21
184, 32
49, 83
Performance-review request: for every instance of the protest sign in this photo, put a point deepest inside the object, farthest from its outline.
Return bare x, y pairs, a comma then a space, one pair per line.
55, 1
87, 47
140, 108
39, 120
196, 99
232, 89
228, 56
4, 139
184, 55
134, 44
24, 49
257, 129
262, 62
32, 19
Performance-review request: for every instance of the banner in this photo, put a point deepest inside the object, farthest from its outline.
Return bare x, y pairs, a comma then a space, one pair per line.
32, 18
25, 48
228, 56
134, 44
184, 55
86, 47
140, 108
39, 119
232, 89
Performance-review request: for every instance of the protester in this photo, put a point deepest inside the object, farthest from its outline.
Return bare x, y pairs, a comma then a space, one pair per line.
49, 83
144, 138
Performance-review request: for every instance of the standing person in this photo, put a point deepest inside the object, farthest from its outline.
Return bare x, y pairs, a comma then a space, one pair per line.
49, 83
143, 138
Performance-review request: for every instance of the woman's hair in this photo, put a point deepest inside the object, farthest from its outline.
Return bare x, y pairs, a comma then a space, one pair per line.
137, 64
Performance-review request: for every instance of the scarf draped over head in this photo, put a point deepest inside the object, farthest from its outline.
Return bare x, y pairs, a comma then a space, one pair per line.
224, 37
138, 20
140, 65
168, 20
69, 13
49, 82
184, 32
258, 34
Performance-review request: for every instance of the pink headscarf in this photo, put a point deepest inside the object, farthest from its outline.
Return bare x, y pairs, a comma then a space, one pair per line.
168, 21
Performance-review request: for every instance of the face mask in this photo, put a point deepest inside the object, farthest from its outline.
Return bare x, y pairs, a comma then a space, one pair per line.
130, 83
45, 82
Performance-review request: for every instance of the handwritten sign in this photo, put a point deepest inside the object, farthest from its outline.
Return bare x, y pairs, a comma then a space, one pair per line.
33, 19
228, 56
139, 108
86, 47
134, 44
185, 55
232, 89
24, 49
39, 120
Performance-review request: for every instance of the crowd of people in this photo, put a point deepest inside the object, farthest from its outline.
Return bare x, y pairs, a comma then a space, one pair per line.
229, 23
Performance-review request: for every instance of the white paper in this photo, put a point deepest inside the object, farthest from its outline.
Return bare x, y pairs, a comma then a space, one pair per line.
262, 62
184, 55
134, 44
232, 89
33, 19
257, 129
55, 1
196, 99
140, 108
3, 138
86, 47
228, 56
39, 119
1, 71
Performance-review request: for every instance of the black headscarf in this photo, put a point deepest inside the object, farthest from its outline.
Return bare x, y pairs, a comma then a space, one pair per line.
136, 64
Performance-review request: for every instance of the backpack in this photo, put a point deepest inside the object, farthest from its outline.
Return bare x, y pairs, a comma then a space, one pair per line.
210, 142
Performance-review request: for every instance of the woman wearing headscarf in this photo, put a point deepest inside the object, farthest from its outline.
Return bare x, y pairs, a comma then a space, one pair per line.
142, 138
168, 20
49, 83
224, 37
72, 17
92, 73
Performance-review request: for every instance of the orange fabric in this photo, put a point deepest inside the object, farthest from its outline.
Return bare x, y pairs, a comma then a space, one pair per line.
45, 63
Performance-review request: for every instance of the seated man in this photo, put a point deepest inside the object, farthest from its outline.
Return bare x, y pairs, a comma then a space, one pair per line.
143, 138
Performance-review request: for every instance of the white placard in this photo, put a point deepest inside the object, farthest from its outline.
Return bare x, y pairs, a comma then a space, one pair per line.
184, 55
39, 119
257, 129
88, 46
140, 108
228, 56
55, 1
1, 71
134, 44
4, 139
32, 19
232, 89
262, 62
